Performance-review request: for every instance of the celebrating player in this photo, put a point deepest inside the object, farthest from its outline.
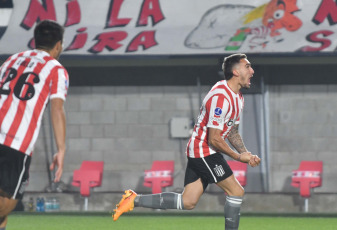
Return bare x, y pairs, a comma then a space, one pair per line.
28, 81
218, 119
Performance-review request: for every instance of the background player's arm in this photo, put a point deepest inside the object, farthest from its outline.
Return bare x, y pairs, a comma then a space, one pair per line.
59, 126
235, 139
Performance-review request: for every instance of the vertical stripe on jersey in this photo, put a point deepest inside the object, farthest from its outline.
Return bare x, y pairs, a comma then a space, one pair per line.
237, 106
38, 109
217, 102
196, 146
198, 141
234, 113
232, 102
6, 105
59, 85
229, 113
192, 144
19, 112
54, 85
234, 107
203, 144
21, 104
242, 100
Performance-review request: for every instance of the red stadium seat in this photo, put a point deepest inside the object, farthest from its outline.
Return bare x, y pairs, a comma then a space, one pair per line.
88, 176
159, 176
239, 170
309, 175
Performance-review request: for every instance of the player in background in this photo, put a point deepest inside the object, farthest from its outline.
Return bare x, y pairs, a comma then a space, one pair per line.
29, 80
218, 119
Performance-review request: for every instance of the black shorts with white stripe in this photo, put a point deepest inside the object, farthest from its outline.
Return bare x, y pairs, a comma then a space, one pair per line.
211, 169
14, 172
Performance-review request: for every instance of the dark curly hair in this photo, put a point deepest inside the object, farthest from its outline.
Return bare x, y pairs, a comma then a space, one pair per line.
229, 62
47, 33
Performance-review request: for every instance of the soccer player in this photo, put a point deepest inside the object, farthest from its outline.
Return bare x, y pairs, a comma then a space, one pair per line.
218, 119
29, 80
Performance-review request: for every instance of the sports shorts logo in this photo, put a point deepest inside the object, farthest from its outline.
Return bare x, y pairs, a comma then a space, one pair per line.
219, 170
218, 111
23, 187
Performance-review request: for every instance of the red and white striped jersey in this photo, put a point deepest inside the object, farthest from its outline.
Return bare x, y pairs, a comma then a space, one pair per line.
221, 109
28, 80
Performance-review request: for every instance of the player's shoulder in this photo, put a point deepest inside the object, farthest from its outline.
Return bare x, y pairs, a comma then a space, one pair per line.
218, 85
55, 65
51, 64
218, 91
219, 88
16, 55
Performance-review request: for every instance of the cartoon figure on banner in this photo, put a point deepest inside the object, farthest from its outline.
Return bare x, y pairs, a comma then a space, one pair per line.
230, 26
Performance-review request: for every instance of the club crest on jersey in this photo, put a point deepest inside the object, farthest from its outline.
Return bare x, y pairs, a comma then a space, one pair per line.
218, 111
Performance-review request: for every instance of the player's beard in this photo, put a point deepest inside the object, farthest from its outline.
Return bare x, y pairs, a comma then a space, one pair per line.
244, 84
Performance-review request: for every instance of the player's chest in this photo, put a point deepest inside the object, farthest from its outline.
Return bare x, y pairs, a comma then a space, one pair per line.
233, 113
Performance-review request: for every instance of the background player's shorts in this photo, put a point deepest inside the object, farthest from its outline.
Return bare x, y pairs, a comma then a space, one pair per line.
14, 167
211, 169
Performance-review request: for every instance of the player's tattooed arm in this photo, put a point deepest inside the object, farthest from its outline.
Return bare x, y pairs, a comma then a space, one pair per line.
235, 139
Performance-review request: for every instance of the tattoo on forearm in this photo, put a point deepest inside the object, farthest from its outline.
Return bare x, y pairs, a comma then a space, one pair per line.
235, 139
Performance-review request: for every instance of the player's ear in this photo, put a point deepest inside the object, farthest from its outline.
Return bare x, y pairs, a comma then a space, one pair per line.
59, 46
235, 72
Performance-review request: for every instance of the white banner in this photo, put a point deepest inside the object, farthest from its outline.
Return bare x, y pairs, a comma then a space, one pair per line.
177, 27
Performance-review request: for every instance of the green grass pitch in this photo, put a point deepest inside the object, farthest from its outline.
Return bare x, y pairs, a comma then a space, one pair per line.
83, 221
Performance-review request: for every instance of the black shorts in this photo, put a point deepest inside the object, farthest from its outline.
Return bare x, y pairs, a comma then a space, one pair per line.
211, 169
14, 168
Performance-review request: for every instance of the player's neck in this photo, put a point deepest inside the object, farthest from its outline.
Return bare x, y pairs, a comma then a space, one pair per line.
54, 52
44, 50
234, 86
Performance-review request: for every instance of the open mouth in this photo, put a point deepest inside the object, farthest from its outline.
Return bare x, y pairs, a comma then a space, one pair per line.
250, 79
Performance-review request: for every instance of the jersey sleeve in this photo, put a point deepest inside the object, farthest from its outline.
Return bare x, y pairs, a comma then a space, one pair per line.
59, 84
217, 109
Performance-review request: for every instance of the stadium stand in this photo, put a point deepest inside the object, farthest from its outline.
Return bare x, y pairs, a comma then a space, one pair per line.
306, 177
159, 176
88, 176
240, 171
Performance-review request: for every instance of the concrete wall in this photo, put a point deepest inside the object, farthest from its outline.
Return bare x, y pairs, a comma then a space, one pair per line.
302, 127
128, 128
